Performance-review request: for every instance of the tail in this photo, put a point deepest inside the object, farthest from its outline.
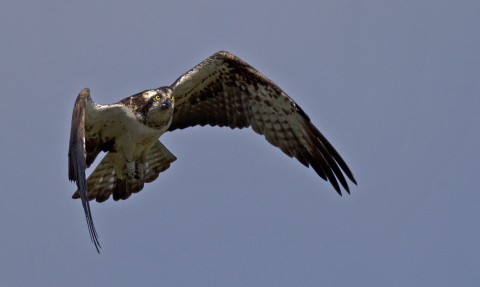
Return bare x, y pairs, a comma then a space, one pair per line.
103, 181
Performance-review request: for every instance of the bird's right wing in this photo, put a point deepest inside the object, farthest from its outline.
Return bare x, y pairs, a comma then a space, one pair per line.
77, 158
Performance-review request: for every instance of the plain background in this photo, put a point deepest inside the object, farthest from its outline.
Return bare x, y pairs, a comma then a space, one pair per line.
394, 86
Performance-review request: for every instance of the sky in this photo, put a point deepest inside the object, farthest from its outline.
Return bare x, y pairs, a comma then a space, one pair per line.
393, 85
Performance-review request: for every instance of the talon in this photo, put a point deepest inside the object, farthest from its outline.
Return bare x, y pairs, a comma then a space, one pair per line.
141, 168
130, 171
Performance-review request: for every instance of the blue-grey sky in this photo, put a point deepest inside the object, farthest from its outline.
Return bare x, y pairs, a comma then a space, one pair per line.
393, 85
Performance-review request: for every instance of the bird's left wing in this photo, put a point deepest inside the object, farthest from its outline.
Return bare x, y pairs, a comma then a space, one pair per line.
223, 90
77, 157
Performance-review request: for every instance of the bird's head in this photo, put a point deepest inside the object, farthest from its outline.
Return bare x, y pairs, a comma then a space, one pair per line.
159, 107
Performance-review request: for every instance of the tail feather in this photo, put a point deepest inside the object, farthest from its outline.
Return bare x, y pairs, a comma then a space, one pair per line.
103, 181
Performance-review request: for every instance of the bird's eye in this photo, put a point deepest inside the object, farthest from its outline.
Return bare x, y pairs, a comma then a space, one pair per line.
157, 98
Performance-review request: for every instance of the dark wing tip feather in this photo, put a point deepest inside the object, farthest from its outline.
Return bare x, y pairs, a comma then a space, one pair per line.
336, 156
332, 159
77, 159
319, 163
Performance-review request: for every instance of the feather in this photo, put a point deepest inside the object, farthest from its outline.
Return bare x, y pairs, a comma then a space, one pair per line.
103, 181
77, 159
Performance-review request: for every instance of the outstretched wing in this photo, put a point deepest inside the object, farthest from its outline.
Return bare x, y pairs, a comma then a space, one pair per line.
102, 182
223, 90
77, 157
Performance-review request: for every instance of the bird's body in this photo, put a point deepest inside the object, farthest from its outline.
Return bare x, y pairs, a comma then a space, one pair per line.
221, 91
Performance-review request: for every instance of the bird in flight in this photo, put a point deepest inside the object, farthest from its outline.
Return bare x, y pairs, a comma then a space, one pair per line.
221, 91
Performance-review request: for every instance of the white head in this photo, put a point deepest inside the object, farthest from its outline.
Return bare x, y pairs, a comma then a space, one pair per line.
158, 107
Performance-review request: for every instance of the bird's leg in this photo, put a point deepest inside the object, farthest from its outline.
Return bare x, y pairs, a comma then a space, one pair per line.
141, 168
142, 164
128, 149
130, 171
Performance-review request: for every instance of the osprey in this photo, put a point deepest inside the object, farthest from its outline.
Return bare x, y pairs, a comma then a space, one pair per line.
221, 91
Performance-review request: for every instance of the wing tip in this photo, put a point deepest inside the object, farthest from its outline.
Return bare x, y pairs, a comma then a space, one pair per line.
85, 91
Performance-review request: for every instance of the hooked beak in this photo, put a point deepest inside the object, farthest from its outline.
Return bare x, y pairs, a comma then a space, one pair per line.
166, 103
